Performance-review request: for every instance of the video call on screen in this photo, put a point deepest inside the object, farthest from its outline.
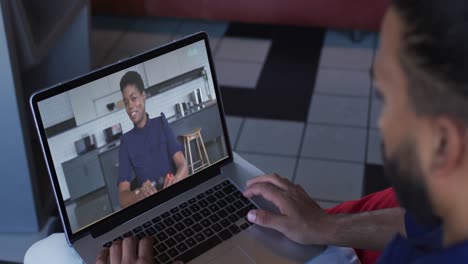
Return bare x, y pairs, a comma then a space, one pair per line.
125, 137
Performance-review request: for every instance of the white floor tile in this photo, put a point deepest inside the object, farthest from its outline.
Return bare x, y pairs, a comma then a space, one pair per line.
234, 124
214, 29
238, 74
374, 155
339, 110
343, 82
213, 41
283, 166
270, 136
334, 142
347, 58
343, 38
244, 49
330, 180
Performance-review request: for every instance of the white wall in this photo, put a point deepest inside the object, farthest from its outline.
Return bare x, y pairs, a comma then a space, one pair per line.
89, 101
114, 95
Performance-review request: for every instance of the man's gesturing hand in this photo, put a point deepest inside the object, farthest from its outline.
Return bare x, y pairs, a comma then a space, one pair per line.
130, 250
301, 219
147, 189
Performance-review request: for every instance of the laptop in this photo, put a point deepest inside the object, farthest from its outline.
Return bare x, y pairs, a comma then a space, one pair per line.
97, 153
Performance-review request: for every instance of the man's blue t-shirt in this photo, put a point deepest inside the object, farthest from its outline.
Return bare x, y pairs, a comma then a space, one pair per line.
422, 245
148, 151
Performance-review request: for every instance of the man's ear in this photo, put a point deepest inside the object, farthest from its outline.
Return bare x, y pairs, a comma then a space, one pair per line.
448, 145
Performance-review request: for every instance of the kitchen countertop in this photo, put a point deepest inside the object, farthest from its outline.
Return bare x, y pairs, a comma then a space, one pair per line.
206, 104
109, 146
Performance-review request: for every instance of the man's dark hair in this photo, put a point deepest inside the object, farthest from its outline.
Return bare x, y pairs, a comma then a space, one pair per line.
434, 55
132, 78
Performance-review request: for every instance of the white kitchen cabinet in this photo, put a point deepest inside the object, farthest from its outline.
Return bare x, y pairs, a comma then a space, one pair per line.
176, 63
57, 109
192, 58
99, 88
162, 68
82, 101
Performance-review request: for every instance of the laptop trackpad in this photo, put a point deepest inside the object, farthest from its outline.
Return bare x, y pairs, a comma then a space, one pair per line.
233, 256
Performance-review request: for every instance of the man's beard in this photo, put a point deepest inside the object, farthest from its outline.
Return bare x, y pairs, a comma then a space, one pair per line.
404, 173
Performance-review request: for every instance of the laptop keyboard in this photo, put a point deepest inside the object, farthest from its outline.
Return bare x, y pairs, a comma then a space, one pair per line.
196, 225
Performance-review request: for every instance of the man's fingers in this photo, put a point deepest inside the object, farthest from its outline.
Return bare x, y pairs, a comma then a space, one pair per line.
268, 191
129, 250
267, 219
152, 190
146, 192
168, 181
146, 183
274, 179
149, 192
103, 256
175, 180
145, 249
148, 189
115, 252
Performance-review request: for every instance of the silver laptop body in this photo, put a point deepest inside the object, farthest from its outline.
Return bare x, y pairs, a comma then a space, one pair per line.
89, 210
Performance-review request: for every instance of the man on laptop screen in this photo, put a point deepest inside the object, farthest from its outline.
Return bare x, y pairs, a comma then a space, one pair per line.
149, 148
104, 176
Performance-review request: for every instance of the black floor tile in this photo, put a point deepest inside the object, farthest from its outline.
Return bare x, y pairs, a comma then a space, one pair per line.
374, 179
285, 86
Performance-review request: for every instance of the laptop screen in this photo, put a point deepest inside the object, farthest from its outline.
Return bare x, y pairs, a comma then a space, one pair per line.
118, 140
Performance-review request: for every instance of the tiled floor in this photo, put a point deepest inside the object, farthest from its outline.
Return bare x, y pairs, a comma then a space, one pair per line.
317, 120
334, 142
270, 137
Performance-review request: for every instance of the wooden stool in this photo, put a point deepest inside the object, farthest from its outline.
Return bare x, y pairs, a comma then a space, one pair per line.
204, 160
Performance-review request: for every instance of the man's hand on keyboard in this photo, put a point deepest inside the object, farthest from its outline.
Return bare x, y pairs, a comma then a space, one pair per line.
301, 219
130, 250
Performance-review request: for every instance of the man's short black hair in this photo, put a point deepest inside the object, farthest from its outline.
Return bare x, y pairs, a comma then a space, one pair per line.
434, 55
132, 78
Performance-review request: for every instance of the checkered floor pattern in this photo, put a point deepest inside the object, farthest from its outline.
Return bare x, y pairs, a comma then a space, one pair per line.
308, 111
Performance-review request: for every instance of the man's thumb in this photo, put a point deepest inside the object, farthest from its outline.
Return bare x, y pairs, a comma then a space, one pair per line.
266, 219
